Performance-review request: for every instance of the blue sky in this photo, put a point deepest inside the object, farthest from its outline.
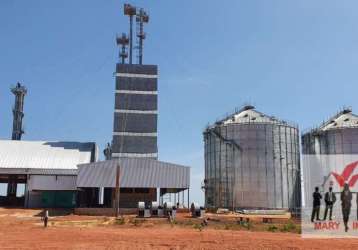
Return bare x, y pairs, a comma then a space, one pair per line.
296, 60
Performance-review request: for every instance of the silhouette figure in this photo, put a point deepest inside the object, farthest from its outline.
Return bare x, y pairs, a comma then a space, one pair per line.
329, 199
316, 204
346, 199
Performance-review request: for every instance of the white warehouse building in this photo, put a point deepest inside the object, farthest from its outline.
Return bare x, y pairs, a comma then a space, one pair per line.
41, 174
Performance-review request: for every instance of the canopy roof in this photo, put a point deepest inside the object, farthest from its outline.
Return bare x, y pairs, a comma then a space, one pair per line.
135, 173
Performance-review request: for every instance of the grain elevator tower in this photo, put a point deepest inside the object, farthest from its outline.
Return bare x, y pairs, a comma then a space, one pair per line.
136, 98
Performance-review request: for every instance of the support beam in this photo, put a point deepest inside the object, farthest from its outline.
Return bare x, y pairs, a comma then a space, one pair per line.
188, 198
116, 204
183, 200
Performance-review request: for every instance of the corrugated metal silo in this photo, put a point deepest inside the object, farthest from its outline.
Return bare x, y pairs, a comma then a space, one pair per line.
339, 135
252, 161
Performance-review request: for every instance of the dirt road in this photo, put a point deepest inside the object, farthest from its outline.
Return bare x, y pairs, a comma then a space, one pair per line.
21, 229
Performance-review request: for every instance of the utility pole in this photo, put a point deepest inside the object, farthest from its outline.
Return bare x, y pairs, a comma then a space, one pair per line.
117, 191
130, 11
142, 17
234, 181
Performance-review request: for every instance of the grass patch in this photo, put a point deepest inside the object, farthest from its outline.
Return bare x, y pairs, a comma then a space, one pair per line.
184, 222
232, 226
136, 222
290, 226
272, 228
246, 224
120, 221
173, 223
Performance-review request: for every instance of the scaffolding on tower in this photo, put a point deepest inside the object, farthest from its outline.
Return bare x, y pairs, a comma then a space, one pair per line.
17, 130
142, 17
130, 11
123, 41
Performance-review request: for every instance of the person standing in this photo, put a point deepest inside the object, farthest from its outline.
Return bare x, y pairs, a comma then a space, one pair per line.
329, 199
316, 204
45, 218
346, 199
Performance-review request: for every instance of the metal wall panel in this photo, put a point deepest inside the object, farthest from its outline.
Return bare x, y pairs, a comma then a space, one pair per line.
35, 199
134, 144
333, 141
137, 69
136, 83
136, 123
51, 182
338, 135
136, 101
138, 78
134, 172
264, 174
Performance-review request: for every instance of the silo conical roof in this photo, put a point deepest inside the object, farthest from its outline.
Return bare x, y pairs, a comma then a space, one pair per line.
249, 114
344, 119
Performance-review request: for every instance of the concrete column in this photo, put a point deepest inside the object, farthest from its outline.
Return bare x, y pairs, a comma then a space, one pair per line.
188, 198
101, 195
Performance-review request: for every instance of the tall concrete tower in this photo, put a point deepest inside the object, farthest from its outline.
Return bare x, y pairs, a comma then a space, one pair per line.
136, 111
136, 103
17, 130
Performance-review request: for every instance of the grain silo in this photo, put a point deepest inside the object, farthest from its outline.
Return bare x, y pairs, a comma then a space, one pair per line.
338, 135
252, 161
330, 161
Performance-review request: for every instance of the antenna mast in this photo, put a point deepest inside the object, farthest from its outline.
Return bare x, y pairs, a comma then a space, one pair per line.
142, 17
130, 11
123, 41
19, 91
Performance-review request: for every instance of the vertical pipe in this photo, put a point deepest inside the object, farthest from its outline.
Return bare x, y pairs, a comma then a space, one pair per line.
183, 201
188, 197
273, 127
123, 52
130, 38
267, 179
227, 170
241, 167
216, 184
116, 204
160, 197
233, 178
26, 202
287, 174
141, 42
220, 175
281, 170
258, 174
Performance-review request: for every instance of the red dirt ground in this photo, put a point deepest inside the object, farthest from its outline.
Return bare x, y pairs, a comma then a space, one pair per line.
21, 229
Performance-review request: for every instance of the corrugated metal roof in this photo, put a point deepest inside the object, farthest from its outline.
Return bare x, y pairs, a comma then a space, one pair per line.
135, 172
344, 119
55, 156
248, 114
